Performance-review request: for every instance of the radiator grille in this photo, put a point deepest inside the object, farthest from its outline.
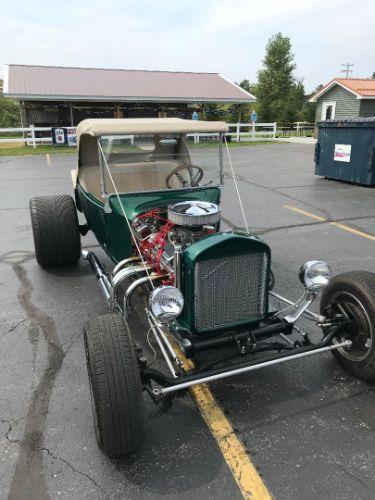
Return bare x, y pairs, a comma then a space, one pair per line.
230, 290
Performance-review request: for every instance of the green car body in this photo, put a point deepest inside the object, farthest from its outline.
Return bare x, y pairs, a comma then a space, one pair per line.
111, 208
108, 223
112, 232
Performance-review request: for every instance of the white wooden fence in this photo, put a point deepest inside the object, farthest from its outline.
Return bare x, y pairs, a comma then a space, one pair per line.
255, 131
28, 135
237, 131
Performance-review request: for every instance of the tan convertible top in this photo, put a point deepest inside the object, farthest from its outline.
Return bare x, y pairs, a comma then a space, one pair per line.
113, 126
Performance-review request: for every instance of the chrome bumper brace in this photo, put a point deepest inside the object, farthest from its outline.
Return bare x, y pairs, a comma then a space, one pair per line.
230, 373
305, 303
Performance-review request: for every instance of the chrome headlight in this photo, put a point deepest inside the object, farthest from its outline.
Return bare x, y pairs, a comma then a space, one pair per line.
315, 274
166, 303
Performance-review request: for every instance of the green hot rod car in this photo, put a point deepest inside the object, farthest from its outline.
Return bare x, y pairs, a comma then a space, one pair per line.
153, 204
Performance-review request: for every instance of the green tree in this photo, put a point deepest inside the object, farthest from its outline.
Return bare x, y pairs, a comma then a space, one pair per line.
246, 85
279, 95
308, 111
373, 75
9, 111
294, 103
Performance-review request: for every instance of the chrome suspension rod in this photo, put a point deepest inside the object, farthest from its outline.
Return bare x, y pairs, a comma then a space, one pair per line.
238, 371
165, 339
161, 346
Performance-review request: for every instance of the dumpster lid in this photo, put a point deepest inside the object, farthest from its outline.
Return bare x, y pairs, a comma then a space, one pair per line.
358, 122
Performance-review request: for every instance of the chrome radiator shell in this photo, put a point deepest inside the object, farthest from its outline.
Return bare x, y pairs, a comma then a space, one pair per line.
230, 290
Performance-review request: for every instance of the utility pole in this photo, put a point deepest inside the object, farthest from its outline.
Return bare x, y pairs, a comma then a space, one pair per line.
347, 69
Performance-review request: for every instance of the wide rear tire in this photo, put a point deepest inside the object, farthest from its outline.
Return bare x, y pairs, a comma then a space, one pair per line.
115, 385
56, 233
352, 295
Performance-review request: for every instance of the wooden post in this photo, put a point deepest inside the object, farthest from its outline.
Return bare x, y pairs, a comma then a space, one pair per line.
118, 113
238, 132
22, 115
33, 136
239, 113
239, 123
162, 113
71, 114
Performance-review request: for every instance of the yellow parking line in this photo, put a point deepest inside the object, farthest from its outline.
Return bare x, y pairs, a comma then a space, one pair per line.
233, 451
344, 227
303, 212
48, 159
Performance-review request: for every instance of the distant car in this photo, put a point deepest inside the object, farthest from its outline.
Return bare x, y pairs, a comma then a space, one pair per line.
154, 207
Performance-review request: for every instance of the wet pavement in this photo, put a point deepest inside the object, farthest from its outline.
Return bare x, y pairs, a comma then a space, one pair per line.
309, 427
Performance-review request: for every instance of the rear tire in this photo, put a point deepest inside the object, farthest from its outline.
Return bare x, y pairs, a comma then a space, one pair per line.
115, 385
56, 233
352, 295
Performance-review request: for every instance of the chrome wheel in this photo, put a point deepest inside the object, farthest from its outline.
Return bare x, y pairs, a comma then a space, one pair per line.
358, 330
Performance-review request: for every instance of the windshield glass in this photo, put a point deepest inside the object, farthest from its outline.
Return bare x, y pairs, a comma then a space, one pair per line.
157, 162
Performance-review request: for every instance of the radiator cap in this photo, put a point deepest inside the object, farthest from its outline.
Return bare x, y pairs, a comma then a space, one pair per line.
193, 213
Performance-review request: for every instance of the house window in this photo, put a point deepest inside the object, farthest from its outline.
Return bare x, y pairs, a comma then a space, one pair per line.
328, 110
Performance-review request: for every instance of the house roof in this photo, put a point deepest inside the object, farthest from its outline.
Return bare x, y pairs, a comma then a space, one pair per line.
93, 84
362, 88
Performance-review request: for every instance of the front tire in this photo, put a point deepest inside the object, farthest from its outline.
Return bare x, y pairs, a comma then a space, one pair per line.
352, 295
56, 233
115, 385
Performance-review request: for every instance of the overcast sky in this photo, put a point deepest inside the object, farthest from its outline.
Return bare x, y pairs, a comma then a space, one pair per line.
223, 36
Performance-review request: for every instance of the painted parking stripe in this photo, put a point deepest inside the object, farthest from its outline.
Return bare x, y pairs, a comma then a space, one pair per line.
233, 451
344, 227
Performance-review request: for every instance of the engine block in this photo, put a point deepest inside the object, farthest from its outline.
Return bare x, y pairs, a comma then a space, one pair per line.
158, 232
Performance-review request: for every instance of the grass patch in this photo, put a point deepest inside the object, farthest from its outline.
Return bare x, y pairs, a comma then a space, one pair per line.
20, 150
39, 150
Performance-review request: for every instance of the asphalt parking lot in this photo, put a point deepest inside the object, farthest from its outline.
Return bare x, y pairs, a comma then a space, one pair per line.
308, 427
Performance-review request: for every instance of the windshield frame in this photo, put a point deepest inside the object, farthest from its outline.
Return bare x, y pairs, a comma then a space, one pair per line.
103, 165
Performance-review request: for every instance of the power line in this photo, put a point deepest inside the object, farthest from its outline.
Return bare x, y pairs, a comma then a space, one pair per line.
347, 69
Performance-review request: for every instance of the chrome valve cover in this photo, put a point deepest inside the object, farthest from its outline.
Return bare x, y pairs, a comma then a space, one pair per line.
193, 213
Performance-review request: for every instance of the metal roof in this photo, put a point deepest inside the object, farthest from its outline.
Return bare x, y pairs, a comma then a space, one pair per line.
362, 88
116, 126
91, 84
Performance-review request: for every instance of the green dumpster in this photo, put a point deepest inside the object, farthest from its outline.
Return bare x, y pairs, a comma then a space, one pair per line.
345, 150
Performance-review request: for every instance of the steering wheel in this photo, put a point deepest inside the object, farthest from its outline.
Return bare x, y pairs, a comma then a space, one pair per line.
195, 175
